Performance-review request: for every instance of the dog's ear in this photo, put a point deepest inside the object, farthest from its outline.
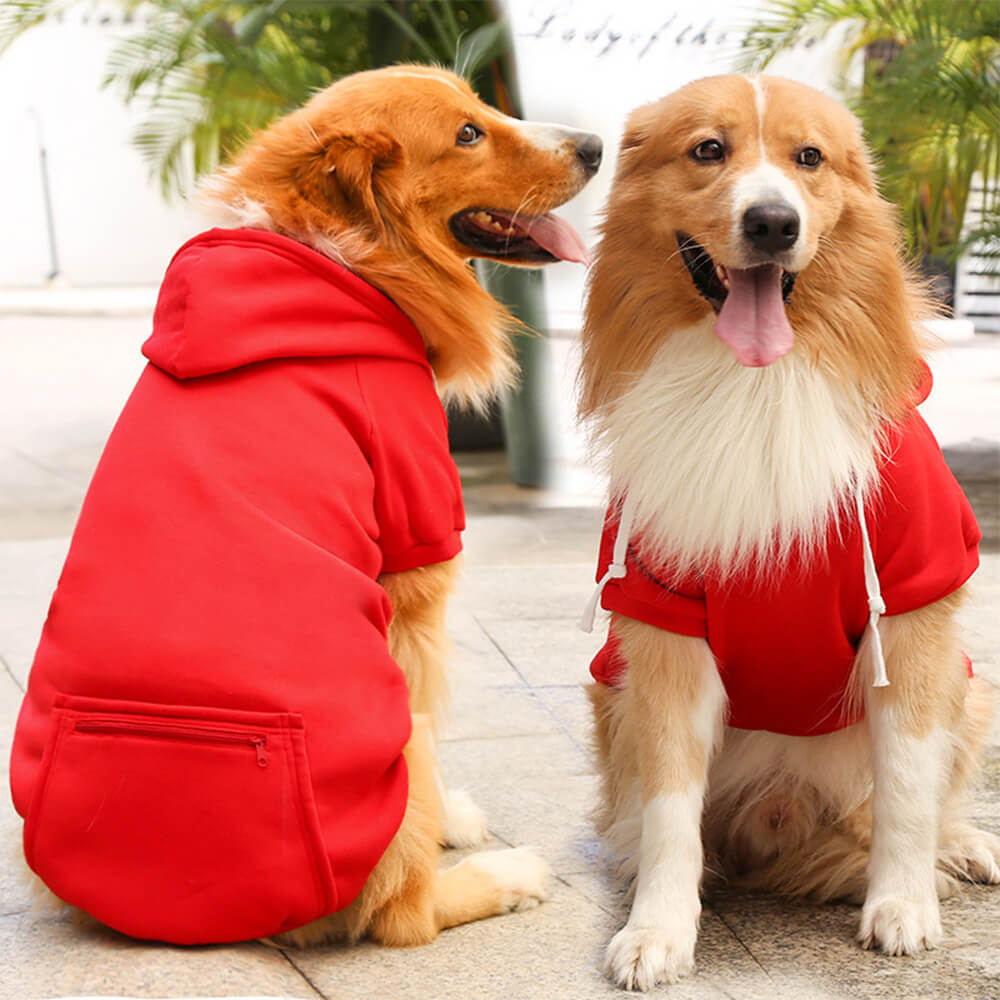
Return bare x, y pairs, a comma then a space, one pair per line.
354, 164
860, 167
346, 174
638, 130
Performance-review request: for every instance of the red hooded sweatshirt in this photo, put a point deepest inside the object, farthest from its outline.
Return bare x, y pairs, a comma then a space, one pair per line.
210, 748
785, 641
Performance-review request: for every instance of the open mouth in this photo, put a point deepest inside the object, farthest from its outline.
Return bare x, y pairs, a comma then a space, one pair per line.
713, 280
518, 239
750, 303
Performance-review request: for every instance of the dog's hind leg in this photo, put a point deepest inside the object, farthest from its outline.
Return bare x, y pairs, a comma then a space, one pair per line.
411, 900
914, 724
674, 701
418, 642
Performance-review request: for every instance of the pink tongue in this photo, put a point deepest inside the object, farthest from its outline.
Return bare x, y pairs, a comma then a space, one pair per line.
752, 320
557, 236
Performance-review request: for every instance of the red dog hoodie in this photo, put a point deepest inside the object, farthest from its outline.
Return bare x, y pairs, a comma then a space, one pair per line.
785, 641
210, 748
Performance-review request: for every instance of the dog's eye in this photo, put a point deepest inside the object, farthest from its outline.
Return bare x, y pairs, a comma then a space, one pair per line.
469, 135
809, 157
710, 149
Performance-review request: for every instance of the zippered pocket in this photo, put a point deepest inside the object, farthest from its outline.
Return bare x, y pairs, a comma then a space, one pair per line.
180, 823
166, 731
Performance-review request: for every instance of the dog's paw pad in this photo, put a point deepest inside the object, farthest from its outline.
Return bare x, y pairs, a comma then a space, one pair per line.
523, 877
464, 821
900, 926
640, 957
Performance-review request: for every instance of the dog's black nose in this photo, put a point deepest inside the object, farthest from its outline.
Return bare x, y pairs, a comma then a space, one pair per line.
771, 226
589, 150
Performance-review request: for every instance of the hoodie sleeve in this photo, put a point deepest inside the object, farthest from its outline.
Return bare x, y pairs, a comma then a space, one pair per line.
418, 495
679, 607
925, 537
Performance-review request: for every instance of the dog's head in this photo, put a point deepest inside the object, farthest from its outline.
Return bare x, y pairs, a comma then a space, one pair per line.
752, 197
403, 175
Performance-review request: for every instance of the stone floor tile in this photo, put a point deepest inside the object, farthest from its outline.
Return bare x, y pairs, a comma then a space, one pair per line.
527, 593
15, 886
36, 501
31, 567
553, 952
479, 712
20, 627
547, 651
44, 957
535, 535
475, 658
535, 790
570, 707
812, 948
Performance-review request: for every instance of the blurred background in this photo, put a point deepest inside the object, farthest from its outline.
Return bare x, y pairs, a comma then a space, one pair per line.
112, 110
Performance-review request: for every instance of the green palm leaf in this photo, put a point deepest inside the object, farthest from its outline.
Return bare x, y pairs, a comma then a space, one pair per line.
929, 101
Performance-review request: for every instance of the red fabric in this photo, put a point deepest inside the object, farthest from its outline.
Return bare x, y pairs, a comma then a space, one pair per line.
210, 748
785, 643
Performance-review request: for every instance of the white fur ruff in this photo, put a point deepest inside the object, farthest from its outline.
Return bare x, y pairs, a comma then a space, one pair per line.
730, 465
233, 209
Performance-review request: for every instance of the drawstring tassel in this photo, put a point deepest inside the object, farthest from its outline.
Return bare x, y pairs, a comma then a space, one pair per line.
876, 606
616, 571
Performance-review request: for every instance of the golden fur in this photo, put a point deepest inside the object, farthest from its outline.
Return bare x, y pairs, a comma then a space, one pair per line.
793, 815
658, 190
367, 173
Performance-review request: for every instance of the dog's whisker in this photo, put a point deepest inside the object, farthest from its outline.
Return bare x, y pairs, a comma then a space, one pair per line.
525, 203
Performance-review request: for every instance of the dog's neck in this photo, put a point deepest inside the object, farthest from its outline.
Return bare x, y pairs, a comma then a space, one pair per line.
464, 327
731, 468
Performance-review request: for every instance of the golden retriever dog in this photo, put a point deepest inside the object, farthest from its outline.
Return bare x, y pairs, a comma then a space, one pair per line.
216, 743
783, 698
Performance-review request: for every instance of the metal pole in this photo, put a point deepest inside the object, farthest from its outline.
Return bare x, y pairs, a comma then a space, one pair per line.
47, 196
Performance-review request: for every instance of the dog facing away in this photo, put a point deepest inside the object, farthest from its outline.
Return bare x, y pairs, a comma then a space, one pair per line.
783, 698
216, 743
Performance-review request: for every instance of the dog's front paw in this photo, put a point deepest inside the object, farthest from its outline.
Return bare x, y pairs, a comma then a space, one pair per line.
640, 957
900, 926
464, 821
522, 877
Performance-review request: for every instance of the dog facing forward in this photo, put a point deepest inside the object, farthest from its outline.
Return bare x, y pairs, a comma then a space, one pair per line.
216, 742
783, 695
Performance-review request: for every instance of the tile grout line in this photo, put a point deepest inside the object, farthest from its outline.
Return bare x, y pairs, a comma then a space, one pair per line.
305, 978
756, 961
10, 674
560, 725
615, 914
501, 651
44, 467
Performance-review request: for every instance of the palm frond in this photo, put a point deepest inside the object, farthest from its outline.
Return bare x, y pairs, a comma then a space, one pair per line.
928, 102
17, 16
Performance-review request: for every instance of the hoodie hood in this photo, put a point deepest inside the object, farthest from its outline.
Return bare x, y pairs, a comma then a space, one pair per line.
232, 297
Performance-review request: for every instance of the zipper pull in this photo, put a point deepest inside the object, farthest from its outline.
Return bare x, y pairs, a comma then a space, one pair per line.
259, 743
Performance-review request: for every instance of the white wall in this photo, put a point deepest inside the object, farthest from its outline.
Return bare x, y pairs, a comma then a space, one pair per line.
112, 226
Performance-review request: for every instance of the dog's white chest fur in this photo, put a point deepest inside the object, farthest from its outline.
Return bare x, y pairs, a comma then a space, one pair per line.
727, 464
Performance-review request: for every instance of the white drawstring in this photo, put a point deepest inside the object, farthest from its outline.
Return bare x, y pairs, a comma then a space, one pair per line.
617, 568
876, 606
